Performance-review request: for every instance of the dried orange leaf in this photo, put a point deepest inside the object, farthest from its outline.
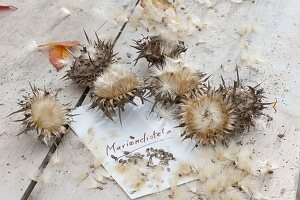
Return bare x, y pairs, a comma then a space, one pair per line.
57, 53
64, 53
7, 7
65, 44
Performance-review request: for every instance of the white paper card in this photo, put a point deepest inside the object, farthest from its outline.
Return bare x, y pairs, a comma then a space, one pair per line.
138, 132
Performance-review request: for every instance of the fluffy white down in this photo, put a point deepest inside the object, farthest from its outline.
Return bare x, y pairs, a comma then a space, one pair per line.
233, 194
178, 67
171, 65
208, 116
112, 75
47, 113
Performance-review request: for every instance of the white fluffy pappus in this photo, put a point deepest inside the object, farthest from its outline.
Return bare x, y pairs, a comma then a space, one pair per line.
207, 118
80, 176
136, 175
162, 18
157, 49
94, 184
35, 175
65, 11
232, 193
114, 82
236, 1
56, 160
250, 60
46, 179
252, 28
250, 185
244, 161
120, 16
98, 176
207, 3
192, 187
115, 18
267, 167
226, 172
96, 163
175, 80
226, 178
68, 61
31, 46
213, 186
231, 151
115, 88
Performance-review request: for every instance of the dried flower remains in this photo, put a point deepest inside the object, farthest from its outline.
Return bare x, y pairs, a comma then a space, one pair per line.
248, 102
208, 118
212, 116
155, 50
114, 88
93, 60
174, 82
45, 113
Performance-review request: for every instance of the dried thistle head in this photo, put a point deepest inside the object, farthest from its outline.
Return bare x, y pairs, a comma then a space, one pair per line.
248, 102
114, 88
92, 61
44, 113
156, 50
174, 82
207, 118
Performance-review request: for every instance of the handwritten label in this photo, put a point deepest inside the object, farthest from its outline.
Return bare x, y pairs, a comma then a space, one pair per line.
147, 138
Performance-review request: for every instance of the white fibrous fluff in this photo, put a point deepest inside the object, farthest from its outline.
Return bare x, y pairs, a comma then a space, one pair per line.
207, 118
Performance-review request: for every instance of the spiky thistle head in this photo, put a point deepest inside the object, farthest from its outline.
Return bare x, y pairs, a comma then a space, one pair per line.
248, 102
93, 60
45, 113
208, 118
175, 81
156, 49
114, 88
